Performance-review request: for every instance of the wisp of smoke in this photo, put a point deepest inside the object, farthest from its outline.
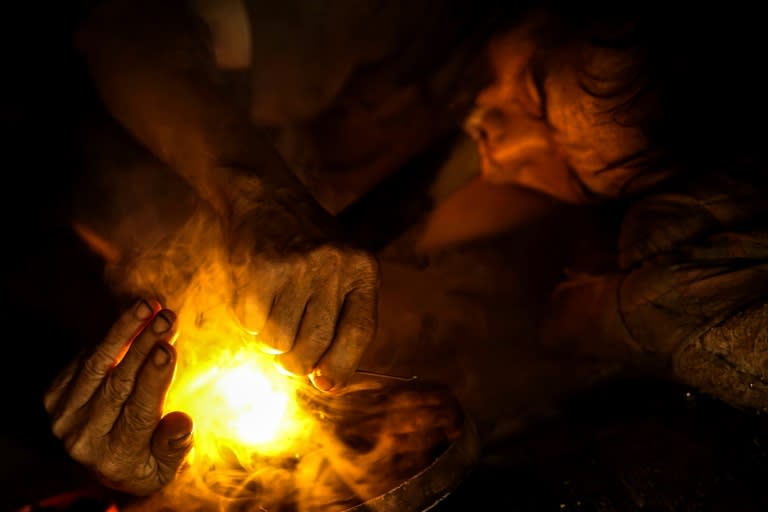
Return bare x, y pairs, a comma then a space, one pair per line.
264, 440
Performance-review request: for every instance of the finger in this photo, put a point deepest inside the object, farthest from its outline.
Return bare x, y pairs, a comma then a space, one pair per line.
354, 332
283, 321
117, 387
171, 442
94, 368
143, 409
59, 385
314, 336
253, 302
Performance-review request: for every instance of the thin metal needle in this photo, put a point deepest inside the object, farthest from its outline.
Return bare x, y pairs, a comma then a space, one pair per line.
386, 376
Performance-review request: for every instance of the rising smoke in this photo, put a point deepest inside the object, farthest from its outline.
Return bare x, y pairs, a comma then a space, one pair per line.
332, 452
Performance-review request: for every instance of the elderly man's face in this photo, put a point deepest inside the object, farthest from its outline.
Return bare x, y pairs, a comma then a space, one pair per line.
540, 124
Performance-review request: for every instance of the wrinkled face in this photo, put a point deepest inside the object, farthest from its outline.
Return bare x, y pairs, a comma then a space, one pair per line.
540, 126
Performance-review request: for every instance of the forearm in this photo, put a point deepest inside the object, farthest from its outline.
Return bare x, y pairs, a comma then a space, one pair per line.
729, 360
153, 67
584, 317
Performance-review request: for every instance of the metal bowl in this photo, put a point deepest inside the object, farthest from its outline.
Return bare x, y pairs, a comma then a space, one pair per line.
434, 483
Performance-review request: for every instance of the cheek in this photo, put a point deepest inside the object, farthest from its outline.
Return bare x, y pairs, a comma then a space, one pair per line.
595, 146
517, 149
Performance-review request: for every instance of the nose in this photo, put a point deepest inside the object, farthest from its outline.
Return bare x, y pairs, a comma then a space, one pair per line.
486, 124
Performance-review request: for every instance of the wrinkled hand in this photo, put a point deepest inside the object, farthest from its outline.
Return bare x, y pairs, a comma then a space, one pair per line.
107, 407
311, 304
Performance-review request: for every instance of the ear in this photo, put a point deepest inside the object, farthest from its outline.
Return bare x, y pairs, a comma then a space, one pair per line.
97, 243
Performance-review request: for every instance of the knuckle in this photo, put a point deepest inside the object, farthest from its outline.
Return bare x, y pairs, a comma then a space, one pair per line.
119, 451
107, 468
364, 259
138, 417
59, 428
95, 366
319, 332
80, 447
319, 340
123, 330
150, 471
294, 266
361, 267
359, 332
329, 256
117, 388
365, 267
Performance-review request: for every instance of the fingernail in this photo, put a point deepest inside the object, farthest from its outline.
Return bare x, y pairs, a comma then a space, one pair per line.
161, 355
282, 371
323, 383
143, 310
163, 321
181, 441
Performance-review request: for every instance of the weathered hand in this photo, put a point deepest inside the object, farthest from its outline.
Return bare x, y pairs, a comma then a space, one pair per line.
316, 306
107, 407
312, 304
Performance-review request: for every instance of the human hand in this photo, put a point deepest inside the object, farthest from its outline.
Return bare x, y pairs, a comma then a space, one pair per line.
311, 302
107, 406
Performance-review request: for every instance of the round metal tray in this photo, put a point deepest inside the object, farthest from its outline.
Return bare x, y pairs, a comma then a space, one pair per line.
434, 483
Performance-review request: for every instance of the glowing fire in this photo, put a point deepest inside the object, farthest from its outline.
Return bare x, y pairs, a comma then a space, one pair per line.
237, 399
246, 390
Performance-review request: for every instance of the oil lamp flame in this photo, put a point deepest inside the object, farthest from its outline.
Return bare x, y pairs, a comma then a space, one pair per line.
259, 407
238, 399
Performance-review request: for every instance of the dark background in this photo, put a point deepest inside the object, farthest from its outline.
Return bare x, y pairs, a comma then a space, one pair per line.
628, 446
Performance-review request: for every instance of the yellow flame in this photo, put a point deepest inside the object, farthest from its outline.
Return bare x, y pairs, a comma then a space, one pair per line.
237, 399
246, 390
239, 402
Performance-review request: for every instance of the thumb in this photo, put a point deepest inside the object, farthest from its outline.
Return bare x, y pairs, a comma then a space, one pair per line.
171, 443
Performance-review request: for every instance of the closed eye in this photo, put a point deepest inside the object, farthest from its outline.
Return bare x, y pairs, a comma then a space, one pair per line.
534, 82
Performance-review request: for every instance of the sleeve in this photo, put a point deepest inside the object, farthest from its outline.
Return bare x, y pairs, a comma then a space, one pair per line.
689, 296
693, 291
